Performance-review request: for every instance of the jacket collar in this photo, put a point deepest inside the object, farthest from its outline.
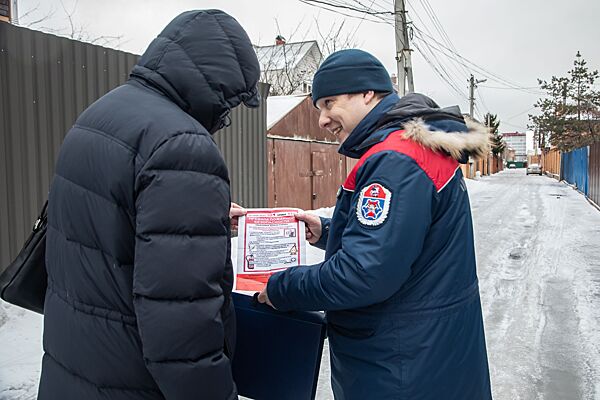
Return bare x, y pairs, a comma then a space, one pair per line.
353, 145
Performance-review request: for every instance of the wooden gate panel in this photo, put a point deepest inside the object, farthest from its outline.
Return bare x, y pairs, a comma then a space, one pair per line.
292, 174
328, 174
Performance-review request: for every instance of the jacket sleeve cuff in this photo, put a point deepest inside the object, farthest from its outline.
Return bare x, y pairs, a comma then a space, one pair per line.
275, 295
322, 242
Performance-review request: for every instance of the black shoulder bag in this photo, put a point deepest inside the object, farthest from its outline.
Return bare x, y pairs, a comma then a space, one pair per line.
24, 281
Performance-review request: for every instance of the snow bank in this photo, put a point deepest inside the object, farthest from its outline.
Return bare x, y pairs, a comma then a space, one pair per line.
20, 352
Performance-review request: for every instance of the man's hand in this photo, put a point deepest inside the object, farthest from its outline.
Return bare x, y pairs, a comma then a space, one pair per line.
235, 212
263, 297
313, 226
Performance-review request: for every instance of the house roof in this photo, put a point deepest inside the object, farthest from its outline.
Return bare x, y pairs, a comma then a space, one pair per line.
279, 106
276, 57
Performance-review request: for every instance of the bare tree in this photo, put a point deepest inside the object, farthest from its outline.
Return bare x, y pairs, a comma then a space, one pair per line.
73, 30
335, 39
31, 13
290, 65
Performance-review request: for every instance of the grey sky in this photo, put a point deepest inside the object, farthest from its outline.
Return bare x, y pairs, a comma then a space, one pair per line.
518, 40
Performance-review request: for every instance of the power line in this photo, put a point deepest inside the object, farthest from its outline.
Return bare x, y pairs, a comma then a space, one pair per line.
347, 7
440, 69
450, 79
434, 61
514, 126
519, 114
440, 28
432, 65
429, 44
508, 88
362, 20
482, 100
307, 2
382, 15
450, 53
455, 70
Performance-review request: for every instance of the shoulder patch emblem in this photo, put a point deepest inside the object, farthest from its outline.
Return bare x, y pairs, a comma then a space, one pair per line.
373, 204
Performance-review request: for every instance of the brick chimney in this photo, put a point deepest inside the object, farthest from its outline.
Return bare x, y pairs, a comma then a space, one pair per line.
279, 40
5, 9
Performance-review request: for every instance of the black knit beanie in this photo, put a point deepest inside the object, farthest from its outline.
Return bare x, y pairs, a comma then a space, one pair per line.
350, 71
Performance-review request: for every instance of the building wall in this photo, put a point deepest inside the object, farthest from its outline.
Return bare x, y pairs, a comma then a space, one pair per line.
302, 123
518, 142
309, 64
296, 79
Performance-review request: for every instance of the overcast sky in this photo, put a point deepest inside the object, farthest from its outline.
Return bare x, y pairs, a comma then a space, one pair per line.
517, 41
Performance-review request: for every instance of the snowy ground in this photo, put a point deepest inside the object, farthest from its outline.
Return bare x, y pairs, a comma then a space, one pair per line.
539, 267
538, 249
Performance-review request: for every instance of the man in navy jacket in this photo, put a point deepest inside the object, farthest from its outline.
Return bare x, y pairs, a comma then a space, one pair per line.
399, 279
139, 304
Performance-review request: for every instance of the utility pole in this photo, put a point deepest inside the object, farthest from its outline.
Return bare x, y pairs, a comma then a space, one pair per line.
403, 50
14, 13
472, 85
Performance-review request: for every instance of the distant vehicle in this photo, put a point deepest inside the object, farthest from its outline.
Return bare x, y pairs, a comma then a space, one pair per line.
534, 169
512, 166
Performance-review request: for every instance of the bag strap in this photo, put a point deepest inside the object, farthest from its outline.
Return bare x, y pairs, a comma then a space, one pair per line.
42, 218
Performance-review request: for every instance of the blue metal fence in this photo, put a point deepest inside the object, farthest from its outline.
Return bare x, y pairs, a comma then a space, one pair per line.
574, 168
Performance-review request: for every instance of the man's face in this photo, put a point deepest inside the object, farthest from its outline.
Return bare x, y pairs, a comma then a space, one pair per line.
340, 114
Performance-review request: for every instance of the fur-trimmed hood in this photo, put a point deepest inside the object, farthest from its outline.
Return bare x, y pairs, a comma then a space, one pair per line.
475, 142
440, 129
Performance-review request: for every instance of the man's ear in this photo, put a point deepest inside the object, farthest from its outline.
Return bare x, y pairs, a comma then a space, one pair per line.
369, 96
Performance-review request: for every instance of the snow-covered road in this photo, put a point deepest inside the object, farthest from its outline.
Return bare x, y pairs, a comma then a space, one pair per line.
538, 249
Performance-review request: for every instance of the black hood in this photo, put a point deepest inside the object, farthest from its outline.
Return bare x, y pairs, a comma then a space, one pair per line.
204, 62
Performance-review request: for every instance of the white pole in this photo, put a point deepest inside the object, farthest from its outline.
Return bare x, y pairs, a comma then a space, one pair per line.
14, 12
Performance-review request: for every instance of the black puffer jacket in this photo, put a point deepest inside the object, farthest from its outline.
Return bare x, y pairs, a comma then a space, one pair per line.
138, 253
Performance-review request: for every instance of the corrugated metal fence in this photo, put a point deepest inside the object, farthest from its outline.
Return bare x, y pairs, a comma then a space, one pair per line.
594, 173
244, 147
45, 82
574, 168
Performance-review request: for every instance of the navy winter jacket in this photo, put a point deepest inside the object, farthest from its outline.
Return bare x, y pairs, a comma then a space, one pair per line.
399, 279
138, 251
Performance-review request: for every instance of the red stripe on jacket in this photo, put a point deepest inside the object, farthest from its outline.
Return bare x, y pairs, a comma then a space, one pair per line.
439, 167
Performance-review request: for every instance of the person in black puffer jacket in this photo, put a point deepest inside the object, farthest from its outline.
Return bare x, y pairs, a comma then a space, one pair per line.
138, 253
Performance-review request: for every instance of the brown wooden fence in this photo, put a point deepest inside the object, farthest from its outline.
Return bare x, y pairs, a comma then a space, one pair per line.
304, 174
486, 166
551, 162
